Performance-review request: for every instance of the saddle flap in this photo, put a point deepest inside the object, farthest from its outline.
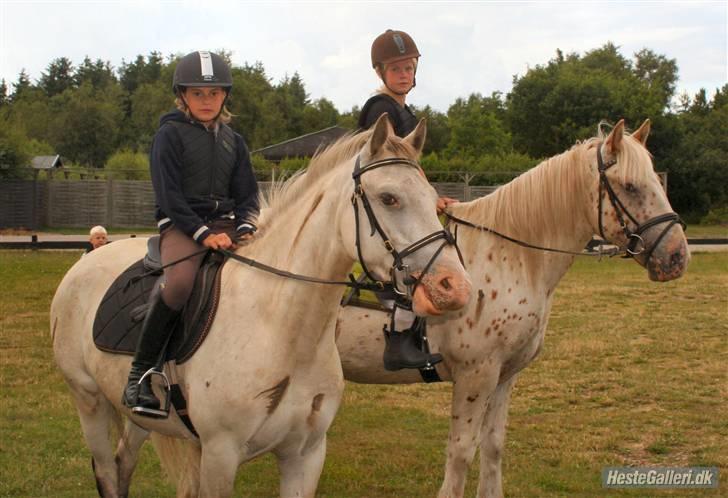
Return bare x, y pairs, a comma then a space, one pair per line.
121, 313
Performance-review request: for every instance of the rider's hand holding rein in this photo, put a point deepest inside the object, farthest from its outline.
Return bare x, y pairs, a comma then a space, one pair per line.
218, 241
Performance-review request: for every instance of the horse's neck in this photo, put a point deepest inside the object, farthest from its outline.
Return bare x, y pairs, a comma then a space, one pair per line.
545, 207
302, 238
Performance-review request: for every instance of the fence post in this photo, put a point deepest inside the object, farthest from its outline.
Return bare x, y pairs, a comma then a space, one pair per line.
467, 193
109, 221
51, 195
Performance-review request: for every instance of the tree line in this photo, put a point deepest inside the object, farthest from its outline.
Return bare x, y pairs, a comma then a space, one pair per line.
99, 116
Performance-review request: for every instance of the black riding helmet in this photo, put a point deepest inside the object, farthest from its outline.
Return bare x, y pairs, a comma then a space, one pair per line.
202, 69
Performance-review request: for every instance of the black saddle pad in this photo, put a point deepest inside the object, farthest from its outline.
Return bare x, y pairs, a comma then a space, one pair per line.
121, 313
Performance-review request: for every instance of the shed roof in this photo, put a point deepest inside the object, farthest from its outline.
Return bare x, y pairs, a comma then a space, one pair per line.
303, 146
46, 162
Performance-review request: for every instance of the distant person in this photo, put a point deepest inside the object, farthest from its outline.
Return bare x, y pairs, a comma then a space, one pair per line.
97, 238
394, 58
206, 196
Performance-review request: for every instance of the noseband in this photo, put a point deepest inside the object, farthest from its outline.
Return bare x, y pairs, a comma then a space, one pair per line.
398, 265
636, 244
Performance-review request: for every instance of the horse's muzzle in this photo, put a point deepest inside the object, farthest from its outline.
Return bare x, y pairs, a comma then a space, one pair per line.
440, 290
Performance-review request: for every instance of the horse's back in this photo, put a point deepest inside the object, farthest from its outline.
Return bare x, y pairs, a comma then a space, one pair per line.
78, 295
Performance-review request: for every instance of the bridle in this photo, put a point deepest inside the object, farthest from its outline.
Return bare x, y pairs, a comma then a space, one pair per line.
635, 243
398, 265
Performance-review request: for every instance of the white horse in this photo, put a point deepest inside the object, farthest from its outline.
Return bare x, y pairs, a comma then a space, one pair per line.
557, 204
268, 377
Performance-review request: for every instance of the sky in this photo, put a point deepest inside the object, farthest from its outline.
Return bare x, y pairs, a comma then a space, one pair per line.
466, 47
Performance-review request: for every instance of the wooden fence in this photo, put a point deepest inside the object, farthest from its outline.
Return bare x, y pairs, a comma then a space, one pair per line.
52, 203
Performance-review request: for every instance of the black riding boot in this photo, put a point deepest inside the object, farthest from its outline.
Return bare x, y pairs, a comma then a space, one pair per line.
403, 351
157, 327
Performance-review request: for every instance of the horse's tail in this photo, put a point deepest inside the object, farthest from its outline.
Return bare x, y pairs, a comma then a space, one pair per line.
180, 460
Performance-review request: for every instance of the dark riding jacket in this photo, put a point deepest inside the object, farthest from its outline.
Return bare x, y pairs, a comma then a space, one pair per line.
201, 175
402, 118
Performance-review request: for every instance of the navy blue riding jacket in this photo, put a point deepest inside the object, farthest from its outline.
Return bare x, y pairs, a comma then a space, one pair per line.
402, 118
201, 175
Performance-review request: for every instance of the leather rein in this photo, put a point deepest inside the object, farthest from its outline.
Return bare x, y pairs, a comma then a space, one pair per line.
634, 237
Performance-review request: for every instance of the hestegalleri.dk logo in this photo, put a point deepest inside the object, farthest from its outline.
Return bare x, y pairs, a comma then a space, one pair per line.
660, 477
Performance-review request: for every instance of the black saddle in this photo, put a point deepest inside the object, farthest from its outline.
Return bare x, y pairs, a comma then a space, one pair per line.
121, 313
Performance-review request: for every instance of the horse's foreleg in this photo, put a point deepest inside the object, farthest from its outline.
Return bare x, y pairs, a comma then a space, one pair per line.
471, 393
300, 473
127, 454
96, 413
218, 466
492, 441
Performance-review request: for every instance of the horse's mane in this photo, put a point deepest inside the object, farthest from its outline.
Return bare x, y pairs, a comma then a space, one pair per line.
545, 201
281, 194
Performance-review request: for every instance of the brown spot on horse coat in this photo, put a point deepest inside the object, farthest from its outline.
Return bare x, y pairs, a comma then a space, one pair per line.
315, 407
479, 306
494, 294
275, 394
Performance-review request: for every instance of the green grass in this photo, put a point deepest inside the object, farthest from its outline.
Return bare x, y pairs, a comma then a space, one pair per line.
707, 231
632, 373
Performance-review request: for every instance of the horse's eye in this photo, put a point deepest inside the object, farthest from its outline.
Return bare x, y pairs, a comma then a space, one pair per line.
388, 200
631, 188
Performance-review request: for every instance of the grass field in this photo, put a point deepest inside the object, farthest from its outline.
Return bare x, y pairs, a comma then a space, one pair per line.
632, 373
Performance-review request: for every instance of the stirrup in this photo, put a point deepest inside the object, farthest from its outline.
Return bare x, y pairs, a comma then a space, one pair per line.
155, 412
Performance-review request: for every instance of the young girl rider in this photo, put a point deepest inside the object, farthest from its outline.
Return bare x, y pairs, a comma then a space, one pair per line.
394, 59
206, 196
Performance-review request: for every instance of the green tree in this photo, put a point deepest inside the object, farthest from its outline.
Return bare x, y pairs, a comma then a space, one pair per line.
475, 129
23, 84
318, 115
58, 77
553, 105
148, 103
142, 70
658, 72
85, 126
126, 164
4, 100
696, 159
14, 159
99, 74
438, 129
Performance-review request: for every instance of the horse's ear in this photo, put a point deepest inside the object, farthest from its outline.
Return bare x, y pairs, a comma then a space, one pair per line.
382, 129
614, 140
642, 132
417, 138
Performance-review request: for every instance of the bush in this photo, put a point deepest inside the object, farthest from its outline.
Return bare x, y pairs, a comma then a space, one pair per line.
716, 216
126, 164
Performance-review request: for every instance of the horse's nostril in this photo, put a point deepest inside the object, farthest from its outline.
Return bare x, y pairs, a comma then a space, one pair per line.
445, 283
676, 258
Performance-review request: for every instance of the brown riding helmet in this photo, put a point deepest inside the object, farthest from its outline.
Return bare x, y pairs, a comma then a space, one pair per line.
393, 46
